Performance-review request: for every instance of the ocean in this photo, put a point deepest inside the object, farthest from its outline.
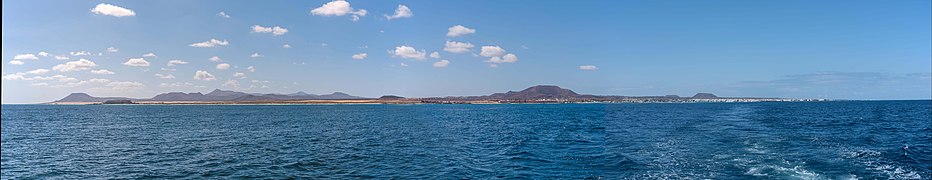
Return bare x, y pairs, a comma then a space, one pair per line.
769, 140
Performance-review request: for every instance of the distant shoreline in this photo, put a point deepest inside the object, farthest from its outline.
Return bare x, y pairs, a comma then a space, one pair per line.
419, 101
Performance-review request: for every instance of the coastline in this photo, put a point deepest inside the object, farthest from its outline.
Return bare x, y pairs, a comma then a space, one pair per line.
420, 101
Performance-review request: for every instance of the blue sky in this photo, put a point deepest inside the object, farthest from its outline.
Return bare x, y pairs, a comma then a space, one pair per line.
797, 49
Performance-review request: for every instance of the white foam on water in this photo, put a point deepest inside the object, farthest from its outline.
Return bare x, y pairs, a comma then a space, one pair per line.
874, 161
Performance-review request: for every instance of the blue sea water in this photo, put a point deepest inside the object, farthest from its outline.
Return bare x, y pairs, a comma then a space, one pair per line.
819, 140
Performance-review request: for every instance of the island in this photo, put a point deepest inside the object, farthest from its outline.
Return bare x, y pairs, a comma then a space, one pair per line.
534, 94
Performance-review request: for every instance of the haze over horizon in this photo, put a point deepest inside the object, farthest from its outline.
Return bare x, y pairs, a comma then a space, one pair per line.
791, 49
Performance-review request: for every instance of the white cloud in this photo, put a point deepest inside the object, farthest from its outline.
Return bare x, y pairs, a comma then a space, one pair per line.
176, 62
79, 65
125, 85
98, 80
80, 53
276, 31
62, 58
338, 8
408, 52
38, 71
402, 12
256, 55
404, 65
223, 14
231, 84
588, 67
137, 62
169, 69
176, 84
211, 43
435, 55
16, 62
360, 56
459, 30
25, 57
441, 63
286, 46
239, 75
112, 49
251, 69
457, 47
223, 66
13, 77
203, 75
510, 58
492, 51
214, 59
149, 55
43, 53
39, 84
102, 71
165, 76
111, 10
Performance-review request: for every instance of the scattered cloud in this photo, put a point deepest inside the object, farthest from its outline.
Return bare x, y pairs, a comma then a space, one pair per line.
324, 44
25, 57
125, 85
203, 75
508, 58
149, 55
165, 76
169, 69
408, 52
256, 55
588, 67
223, 14
231, 84
210, 43
524, 47
39, 84
102, 71
251, 69
38, 71
214, 59
176, 62
43, 53
223, 66
111, 10
459, 30
79, 65
402, 12
80, 53
492, 51
360, 56
286, 46
62, 58
441, 63
404, 65
239, 75
338, 8
276, 31
457, 47
137, 62
435, 55
176, 84
16, 62
112, 49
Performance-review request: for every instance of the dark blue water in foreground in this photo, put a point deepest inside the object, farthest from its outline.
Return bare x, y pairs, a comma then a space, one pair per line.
827, 140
